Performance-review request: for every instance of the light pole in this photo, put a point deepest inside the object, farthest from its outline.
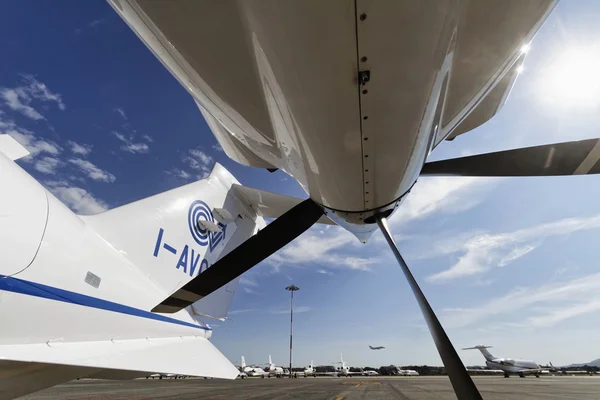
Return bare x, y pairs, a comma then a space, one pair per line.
292, 289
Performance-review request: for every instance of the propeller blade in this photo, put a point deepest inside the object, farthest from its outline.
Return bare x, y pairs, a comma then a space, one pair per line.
254, 250
569, 158
463, 385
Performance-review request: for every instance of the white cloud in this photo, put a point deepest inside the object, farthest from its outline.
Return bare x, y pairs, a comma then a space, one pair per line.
81, 149
20, 98
441, 194
241, 311
93, 171
198, 160
34, 145
13, 100
95, 22
324, 272
147, 138
47, 165
550, 304
298, 309
77, 199
121, 112
217, 147
244, 280
484, 251
179, 173
129, 145
321, 248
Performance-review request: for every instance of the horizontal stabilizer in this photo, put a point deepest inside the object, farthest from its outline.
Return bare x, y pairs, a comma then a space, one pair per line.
570, 158
11, 148
194, 356
478, 347
272, 205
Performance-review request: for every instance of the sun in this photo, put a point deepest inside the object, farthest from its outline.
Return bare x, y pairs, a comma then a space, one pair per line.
572, 79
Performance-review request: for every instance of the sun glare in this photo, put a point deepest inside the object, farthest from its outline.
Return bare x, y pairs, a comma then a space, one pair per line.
573, 79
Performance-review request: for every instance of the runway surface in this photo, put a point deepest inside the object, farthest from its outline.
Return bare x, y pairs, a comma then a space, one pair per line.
405, 388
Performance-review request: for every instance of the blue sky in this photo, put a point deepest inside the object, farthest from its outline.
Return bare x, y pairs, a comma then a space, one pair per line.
507, 262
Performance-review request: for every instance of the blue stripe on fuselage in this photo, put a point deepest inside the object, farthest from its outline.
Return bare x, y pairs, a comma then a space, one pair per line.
28, 288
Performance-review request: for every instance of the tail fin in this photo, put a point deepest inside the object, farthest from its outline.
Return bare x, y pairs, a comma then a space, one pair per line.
11, 148
270, 362
243, 362
174, 236
483, 349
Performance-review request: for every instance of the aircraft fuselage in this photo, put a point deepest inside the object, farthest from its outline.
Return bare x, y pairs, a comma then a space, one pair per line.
349, 98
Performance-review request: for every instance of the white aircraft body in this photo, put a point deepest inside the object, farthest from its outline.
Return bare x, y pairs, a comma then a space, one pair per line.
251, 370
370, 373
352, 118
407, 372
308, 371
509, 365
273, 370
344, 369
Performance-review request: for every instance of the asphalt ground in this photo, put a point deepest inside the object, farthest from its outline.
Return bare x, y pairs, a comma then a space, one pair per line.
325, 388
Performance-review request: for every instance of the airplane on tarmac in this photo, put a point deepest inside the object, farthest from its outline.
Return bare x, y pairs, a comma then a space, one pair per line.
376, 347
370, 373
273, 370
343, 369
256, 371
407, 372
308, 371
509, 365
349, 118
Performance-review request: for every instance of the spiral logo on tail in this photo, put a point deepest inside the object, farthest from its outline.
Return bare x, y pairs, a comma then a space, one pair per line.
199, 211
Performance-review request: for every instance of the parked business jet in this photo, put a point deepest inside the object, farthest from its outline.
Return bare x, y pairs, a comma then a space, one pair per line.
344, 369
407, 372
351, 118
376, 347
310, 370
273, 370
509, 365
370, 373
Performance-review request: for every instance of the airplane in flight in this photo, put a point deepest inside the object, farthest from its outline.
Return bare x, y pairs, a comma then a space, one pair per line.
509, 365
376, 347
352, 119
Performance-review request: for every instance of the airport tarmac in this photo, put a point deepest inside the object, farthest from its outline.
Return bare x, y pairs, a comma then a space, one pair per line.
325, 388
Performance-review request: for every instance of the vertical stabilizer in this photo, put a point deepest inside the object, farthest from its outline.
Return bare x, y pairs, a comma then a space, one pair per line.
243, 362
174, 236
483, 349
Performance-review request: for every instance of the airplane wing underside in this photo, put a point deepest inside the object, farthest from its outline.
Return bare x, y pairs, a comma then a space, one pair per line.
51, 363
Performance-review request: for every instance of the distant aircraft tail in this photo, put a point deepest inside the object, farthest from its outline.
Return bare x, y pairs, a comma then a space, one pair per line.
243, 362
270, 361
483, 349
